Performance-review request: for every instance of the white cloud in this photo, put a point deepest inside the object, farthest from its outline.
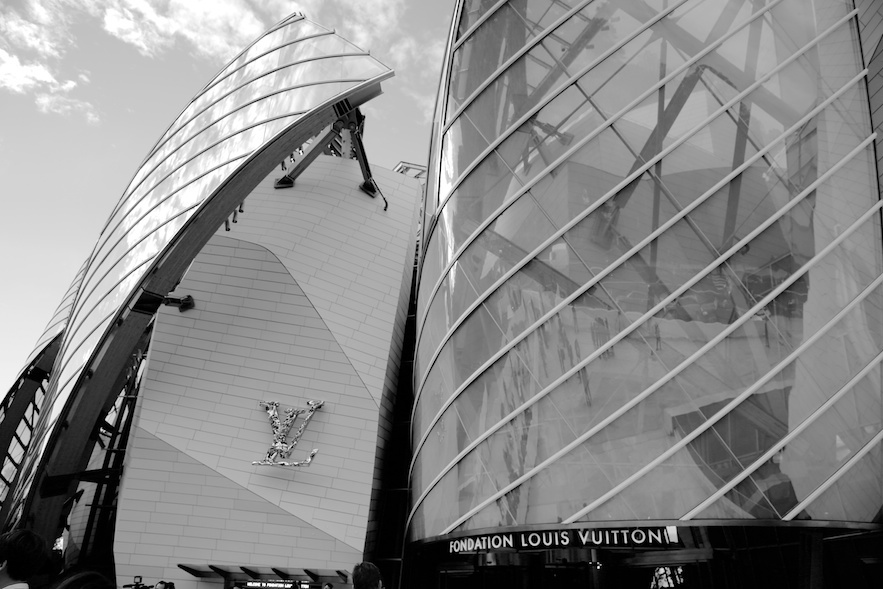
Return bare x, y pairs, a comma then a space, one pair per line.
138, 26
31, 35
370, 24
31, 41
425, 103
50, 94
213, 30
22, 77
64, 105
417, 67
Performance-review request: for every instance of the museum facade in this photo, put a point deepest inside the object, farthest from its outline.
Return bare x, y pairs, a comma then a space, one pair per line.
639, 344
649, 305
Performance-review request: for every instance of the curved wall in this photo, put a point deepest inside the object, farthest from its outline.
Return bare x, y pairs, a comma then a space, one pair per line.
651, 282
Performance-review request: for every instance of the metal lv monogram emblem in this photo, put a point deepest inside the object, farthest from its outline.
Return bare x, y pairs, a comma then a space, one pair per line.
279, 451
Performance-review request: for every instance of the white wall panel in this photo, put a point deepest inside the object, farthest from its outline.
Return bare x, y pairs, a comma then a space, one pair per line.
299, 301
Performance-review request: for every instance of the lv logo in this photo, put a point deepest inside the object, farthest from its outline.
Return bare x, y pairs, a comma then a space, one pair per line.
279, 451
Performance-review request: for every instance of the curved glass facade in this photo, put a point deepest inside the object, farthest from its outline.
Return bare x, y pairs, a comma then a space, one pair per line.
652, 281
295, 72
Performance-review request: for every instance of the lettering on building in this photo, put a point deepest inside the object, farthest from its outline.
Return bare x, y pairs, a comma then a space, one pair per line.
569, 538
278, 453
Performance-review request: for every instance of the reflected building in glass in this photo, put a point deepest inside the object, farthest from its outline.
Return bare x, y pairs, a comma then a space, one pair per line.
650, 297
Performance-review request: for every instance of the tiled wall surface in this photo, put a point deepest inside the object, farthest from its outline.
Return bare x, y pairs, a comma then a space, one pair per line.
299, 301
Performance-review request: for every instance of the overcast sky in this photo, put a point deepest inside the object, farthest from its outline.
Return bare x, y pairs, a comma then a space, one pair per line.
88, 86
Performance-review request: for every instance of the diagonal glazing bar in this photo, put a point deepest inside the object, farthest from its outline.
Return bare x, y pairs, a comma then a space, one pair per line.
584, 70
794, 355
539, 38
468, 32
611, 194
622, 259
615, 117
810, 419
539, 468
288, 20
207, 106
630, 328
847, 466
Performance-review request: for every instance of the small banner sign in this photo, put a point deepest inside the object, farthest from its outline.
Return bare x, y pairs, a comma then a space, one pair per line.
570, 538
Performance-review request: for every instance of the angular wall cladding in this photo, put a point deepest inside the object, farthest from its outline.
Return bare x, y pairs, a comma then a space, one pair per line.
299, 301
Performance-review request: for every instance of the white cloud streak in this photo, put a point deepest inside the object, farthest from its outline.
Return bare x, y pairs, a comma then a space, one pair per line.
31, 42
65, 106
213, 30
23, 77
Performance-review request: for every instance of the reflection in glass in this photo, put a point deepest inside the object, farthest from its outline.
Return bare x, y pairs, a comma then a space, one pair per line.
695, 201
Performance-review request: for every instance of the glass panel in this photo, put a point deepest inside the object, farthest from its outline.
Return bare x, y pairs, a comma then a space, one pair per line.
495, 41
507, 241
295, 29
523, 371
707, 385
724, 371
620, 372
811, 457
280, 38
546, 66
317, 71
438, 388
856, 494
472, 11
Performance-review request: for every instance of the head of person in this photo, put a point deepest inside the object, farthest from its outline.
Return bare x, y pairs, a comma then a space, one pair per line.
23, 554
366, 576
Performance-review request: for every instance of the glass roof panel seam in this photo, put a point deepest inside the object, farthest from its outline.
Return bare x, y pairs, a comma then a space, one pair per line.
292, 18
287, 21
209, 125
173, 128
174, 132
196, 155
257, 57
68, 357
131, 190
